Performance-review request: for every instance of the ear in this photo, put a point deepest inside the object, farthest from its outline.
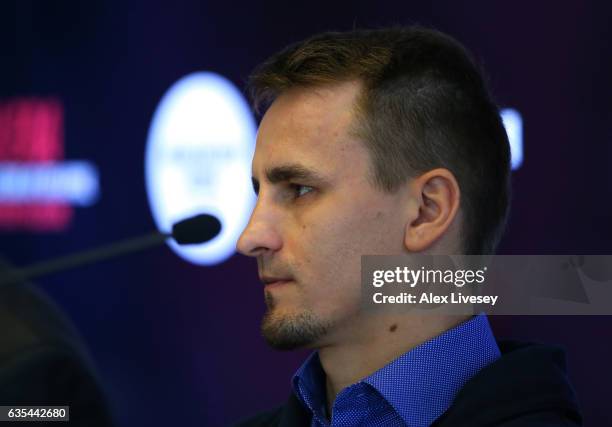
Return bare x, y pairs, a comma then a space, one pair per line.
437, 199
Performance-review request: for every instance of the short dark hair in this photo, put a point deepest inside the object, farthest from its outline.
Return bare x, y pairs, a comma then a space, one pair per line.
424, 104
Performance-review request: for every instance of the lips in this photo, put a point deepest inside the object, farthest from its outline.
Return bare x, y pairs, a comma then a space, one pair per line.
275, 282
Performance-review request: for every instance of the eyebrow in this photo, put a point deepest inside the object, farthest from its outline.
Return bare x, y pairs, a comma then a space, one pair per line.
290, 172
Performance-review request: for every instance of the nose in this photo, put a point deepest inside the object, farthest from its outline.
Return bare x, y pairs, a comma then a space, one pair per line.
260, 236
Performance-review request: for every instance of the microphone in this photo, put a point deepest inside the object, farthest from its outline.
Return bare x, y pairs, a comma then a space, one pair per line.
194, 230
197, 229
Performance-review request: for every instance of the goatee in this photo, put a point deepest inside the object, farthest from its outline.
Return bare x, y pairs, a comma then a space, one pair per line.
291, 331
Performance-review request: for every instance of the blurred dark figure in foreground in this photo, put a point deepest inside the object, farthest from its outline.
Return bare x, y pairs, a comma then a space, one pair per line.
42, 359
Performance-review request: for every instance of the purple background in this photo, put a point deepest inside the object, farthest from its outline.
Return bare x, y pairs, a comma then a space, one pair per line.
165, 332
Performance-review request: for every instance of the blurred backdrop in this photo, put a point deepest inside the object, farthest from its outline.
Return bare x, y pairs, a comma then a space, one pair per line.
177, 342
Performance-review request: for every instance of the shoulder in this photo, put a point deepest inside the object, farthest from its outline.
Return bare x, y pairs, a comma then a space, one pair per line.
542, 419
531, 389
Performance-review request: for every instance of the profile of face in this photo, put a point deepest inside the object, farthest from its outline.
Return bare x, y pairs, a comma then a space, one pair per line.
317, 212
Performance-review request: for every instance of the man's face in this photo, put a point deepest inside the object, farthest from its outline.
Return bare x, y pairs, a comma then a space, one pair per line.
317, 212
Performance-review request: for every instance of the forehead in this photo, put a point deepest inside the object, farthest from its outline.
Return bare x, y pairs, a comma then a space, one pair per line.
310, 126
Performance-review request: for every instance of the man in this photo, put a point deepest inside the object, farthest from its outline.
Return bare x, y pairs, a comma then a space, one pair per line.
385, 142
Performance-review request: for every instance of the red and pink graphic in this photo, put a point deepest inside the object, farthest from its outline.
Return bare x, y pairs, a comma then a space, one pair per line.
37, 187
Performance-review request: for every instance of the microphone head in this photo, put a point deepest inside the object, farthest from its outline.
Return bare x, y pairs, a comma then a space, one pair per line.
197, 229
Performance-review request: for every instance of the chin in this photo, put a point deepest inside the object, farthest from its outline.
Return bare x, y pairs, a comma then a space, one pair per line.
292, 331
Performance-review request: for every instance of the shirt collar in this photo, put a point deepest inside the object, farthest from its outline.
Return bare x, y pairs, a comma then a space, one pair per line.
309, 385
421, 384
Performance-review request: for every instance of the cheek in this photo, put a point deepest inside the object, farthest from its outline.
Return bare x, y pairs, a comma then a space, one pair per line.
327, 245
329, 252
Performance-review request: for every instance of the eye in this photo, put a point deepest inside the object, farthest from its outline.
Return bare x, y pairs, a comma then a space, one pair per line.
301, 190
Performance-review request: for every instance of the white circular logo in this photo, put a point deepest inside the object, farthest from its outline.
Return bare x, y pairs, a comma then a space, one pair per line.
198, 160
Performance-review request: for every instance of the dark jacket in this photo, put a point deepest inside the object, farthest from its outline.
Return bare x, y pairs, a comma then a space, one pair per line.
43, 361
526, 387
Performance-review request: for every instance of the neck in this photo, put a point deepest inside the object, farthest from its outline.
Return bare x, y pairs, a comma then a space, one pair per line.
374, 344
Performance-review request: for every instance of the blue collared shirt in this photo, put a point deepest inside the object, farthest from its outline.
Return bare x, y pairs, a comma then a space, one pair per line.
414, 389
